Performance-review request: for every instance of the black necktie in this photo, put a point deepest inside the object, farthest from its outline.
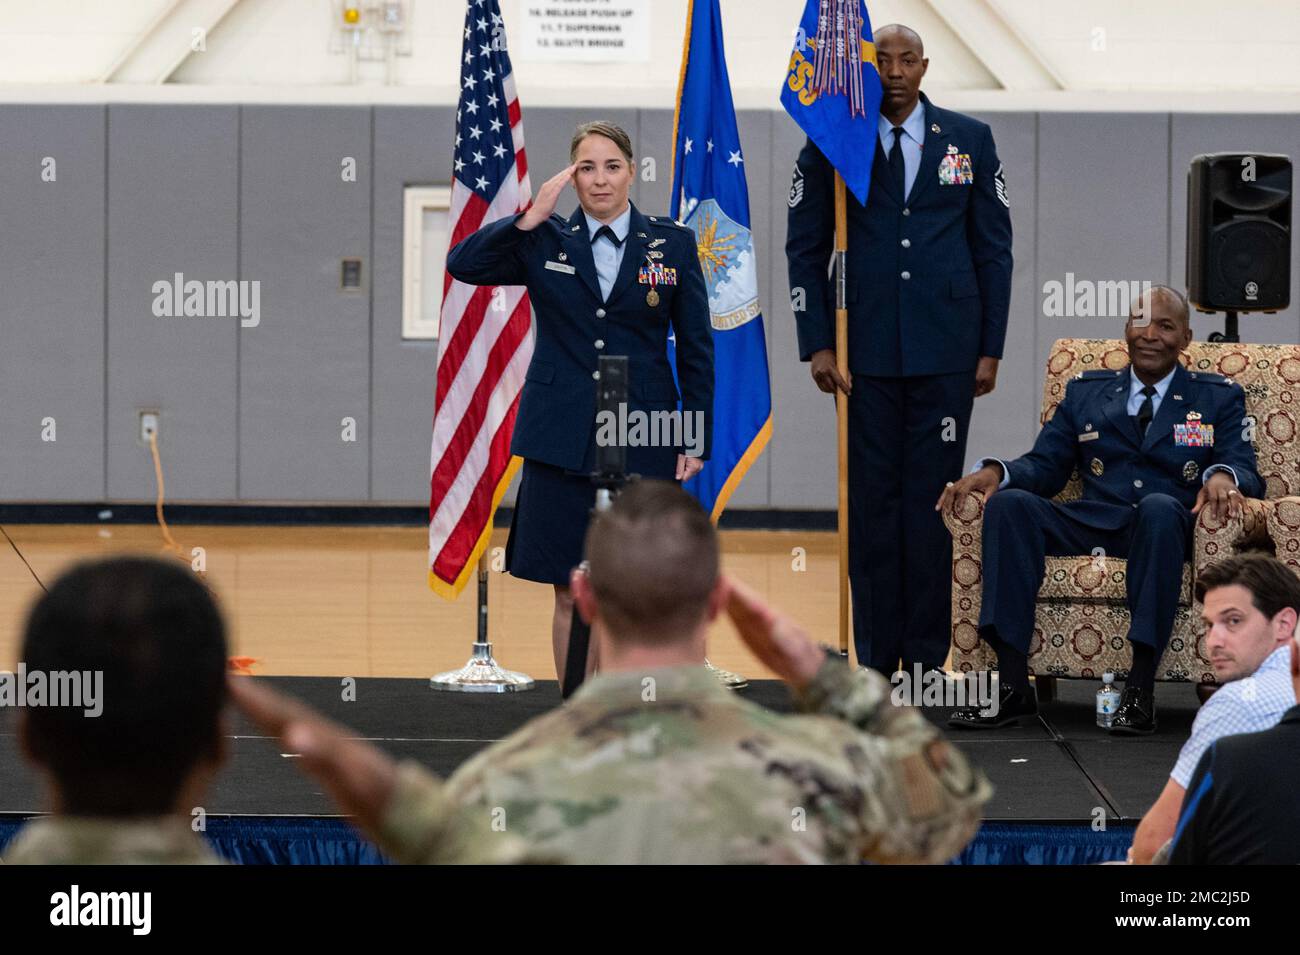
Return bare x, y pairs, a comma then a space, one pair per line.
896, 168
1147, 411
609, 233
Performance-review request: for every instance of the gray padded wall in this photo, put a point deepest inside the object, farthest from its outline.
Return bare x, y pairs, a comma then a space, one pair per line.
413, 147
802, 452
307, 365
52, 303
1004, 422
173, 204
255, 192
1103, 211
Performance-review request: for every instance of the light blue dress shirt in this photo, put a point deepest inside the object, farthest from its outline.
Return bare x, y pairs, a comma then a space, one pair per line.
1248, 705
608, 256
1135, 399
1135, 396
913, 137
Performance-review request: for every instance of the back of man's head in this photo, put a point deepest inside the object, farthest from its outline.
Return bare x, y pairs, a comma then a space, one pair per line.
155, 633
653, 560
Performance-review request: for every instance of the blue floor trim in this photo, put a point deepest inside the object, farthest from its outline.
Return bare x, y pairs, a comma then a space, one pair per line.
316, 840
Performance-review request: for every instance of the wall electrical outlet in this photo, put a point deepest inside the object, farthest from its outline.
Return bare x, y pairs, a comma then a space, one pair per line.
148, 425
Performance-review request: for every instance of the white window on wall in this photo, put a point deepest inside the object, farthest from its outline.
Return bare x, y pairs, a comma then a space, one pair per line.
425, 227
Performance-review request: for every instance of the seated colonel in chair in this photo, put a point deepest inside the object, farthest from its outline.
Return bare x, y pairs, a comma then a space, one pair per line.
1154, 444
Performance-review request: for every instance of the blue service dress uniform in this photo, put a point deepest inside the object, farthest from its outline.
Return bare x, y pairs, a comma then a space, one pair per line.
928, 290
1138, 491
659, 287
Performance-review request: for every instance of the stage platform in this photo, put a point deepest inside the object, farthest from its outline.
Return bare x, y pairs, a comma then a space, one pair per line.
1055, 778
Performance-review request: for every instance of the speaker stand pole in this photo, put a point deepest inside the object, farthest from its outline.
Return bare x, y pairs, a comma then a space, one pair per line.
1229, 333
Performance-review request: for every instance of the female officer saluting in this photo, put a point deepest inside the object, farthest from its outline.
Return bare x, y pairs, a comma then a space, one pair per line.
606, 281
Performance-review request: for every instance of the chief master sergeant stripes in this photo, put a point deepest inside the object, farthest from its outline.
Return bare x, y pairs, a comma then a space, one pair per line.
929, 286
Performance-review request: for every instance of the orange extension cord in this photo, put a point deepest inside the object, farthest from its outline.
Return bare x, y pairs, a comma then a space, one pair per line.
169, 543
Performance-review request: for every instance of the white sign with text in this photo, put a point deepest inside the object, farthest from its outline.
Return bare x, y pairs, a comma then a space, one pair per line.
585, 31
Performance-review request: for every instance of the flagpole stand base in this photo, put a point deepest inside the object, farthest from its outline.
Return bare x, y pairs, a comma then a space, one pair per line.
482, 674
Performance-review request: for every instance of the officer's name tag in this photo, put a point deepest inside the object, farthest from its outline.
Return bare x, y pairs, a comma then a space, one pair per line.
561, 267
1090, 436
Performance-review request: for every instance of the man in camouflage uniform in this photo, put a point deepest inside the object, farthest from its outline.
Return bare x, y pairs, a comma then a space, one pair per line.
653, 762
122, 783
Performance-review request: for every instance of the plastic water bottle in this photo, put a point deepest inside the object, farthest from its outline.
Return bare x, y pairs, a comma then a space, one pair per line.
1107, 700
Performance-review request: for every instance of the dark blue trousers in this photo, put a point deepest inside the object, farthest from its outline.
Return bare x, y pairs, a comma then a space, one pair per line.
907, 439
1022, 529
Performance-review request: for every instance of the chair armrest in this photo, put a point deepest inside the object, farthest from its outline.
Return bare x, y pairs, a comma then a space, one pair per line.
1283, 515
1219, 537
969, 517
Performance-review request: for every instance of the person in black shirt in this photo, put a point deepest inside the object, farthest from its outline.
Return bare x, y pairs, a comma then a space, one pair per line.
1243, 801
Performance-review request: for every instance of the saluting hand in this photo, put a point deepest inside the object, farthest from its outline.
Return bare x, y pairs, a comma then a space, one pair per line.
780, 643
547, 197
360, 777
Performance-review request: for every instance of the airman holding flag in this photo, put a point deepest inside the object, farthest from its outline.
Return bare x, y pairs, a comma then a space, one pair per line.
922, 289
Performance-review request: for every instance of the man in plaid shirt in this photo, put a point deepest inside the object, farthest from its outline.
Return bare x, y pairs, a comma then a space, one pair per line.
1250, 604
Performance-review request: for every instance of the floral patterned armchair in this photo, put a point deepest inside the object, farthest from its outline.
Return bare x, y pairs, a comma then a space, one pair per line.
1082, 614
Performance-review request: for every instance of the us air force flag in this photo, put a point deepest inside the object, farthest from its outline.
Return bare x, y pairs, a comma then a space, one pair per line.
710, 196
834, 53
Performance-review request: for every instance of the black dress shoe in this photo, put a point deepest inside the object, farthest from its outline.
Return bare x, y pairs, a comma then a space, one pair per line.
1012, 705
1136, 715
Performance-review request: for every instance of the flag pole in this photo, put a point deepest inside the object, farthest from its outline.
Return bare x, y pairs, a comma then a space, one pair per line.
842, 403
482, 674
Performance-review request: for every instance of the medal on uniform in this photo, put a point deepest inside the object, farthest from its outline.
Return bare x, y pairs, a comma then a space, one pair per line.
1194, 433
955, 168
1097, 467
1190, 470
652, 297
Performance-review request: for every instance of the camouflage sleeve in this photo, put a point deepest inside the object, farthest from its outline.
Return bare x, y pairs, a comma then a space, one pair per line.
421, 826
921, 796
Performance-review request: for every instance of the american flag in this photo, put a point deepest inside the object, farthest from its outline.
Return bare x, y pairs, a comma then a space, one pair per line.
485, 341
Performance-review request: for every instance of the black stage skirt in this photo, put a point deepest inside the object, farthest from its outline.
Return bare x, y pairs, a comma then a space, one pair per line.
552, 509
